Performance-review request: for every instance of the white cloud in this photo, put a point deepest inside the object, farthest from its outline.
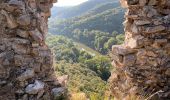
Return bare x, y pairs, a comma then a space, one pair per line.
69, 2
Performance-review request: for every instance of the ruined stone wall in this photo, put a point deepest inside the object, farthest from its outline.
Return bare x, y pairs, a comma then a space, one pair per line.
26, 71
143, 61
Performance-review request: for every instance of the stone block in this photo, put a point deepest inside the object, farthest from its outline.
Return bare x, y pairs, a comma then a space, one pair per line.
121, 50
20, 49
10, 19
29, 73
129, 60
135, 42
35, 88
36, 35
58, 93
142, 2
24, 20
142, 22
153, 2
22, 33
155, 29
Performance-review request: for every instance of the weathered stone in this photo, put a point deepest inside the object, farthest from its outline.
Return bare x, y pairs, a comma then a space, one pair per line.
18, 60
32, 4
24, 20
6, 62
159, 43
15, 3
25, 97
117, 64
120, 50
2, 47
135, 42
46, 96
34, 44
10, 20
59, 93
10, 8
142, 2
124, 3
142, 22
20, 41
155, 29
168, 72
3, 82
35, 88
132, 16
40, 94
151, 54
63, 79
29, 73
43, 6
149, 11
19, 92
152, 61
135, 29
44, 53
157, 22
20, 49
152, 2
132, 2
36, 35
129, 60
2, 72
37, 67
22, 33
117, 58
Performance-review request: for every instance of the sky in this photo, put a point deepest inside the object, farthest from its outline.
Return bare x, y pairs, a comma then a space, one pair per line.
69, 2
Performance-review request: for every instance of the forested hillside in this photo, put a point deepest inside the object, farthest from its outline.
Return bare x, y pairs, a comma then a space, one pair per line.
68, 12
81, 38
83, 68
98, 26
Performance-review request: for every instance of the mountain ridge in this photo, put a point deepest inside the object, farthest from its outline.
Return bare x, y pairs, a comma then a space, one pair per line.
72, 11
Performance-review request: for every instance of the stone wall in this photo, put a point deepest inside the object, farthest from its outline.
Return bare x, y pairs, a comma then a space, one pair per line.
143, 61
26, 71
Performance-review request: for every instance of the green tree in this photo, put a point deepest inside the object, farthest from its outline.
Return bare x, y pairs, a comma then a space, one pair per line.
120, 38
101, 65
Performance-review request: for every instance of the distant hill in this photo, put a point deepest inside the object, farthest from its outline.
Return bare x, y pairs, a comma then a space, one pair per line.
106, 16
68, 12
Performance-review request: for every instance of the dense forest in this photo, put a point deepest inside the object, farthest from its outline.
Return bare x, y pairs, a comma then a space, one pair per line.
81, 38
95, 26
84, 69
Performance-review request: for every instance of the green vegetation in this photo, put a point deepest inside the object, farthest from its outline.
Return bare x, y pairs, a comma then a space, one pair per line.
69, 12
97, 40
87, 73
96, 24
82, 38
102, 21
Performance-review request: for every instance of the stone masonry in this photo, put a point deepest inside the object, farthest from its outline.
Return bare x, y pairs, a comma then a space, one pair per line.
26, 71
143, 61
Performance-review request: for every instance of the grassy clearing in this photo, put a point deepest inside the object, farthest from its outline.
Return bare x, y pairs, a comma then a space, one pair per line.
81, 46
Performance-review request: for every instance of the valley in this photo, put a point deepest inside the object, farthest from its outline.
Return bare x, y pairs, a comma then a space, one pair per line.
81, 38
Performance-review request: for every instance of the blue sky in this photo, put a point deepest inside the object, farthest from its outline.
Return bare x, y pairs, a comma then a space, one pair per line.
69, 2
